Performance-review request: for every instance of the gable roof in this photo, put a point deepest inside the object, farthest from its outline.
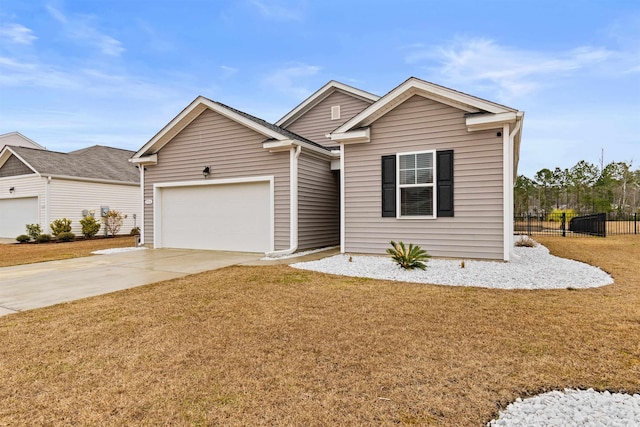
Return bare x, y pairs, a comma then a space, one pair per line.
98, 163
322, 94
19, 140
414, 86
199, 105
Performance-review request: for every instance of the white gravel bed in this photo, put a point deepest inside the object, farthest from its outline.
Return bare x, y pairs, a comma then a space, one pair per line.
118, 250
572, 408
531, 268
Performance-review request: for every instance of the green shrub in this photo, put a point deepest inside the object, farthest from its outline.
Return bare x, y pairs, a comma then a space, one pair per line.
408, 258
44, 238
113, 221
65, 236
135, 231
556, 214
33, 231
23, 238
90, 226
60, 226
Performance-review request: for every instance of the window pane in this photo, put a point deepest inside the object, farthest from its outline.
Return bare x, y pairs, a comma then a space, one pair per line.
424, 160
424, 176
408, 161
416, 201
407, 177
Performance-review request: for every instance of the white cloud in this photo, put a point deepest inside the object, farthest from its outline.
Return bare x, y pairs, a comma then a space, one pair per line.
482, 63
17, 33
276, 12
83, 29
288, 80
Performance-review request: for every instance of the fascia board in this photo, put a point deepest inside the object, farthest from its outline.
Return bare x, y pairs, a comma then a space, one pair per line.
146, 160
321, 94
490, 121
285, 145
95, 180
352, 137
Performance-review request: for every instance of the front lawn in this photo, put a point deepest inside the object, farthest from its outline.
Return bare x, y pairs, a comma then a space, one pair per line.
279, 346
28, 253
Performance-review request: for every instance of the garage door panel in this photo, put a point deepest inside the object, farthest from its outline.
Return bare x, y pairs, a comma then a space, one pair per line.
233, 217
15, 214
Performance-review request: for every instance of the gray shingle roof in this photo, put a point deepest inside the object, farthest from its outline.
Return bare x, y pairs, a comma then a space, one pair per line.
271, 126
97, 162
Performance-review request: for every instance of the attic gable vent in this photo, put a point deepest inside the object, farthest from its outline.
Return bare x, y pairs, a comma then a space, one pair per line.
335, 112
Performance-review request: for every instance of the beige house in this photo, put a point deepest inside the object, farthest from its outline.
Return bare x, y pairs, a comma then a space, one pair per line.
423, 164
38, 186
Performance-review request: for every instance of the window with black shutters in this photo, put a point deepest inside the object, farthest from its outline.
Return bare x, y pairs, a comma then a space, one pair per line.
418, 184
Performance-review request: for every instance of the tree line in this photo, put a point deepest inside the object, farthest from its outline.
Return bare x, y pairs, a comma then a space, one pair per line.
584, 188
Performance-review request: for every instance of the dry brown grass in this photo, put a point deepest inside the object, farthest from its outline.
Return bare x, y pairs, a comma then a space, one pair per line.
278, 346
28, 253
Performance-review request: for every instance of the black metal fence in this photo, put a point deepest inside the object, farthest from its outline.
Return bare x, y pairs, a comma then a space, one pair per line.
569, 224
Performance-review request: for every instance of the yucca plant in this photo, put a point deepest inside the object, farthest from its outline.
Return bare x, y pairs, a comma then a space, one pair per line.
408, 258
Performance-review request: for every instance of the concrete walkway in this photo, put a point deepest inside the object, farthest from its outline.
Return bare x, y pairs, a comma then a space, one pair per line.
26, 287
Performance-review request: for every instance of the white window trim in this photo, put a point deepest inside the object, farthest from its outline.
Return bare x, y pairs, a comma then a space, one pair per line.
433, 185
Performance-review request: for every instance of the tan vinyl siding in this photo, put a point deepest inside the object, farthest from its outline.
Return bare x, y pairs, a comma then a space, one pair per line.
316, 122
27, 186
13, 166
422, 124
318, 202
68, 198
232, 151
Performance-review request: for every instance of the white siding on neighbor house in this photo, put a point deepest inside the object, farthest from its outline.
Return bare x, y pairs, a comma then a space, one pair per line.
231, 150
316, 123
318, 202
68, 198
476, 230
26, 186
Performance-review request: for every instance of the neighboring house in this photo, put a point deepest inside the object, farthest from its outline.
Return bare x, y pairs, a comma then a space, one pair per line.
18, 140
423, 164
38, 186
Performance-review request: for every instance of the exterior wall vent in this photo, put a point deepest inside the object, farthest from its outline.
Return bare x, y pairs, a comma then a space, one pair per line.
335, 112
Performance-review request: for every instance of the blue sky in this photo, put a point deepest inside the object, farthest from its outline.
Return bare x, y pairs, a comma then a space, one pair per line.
79, 73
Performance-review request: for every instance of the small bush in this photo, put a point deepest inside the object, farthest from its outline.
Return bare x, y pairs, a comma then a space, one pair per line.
525, 242
556, 214
113, 221
60, 226
408, 258
33, 231
44, 238
90, 226
65, 236
23, 238
135, 231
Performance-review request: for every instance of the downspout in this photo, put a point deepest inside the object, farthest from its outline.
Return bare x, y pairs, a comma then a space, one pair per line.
293, 205
47, 201
512, 136
142, 242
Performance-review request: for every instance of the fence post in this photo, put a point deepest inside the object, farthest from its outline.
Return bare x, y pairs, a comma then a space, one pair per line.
529, 224
635, 223
564, 224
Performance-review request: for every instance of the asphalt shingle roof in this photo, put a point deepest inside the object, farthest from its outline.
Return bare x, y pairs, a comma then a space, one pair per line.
96, 162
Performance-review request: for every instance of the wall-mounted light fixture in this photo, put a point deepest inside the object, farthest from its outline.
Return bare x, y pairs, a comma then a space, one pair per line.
206, 171
12, 190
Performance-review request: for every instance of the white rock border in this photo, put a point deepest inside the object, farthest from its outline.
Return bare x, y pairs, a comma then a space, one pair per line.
572, 408
118, 250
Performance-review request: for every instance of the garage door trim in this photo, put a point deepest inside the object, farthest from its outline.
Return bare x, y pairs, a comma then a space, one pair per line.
157, 200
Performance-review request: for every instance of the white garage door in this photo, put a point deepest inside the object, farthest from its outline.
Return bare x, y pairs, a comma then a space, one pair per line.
229, 217
15, 214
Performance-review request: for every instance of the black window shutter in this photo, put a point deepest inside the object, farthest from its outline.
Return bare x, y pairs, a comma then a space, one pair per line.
389, 186
444, 163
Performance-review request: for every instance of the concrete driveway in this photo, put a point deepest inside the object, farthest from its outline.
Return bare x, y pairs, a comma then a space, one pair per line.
25, 287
